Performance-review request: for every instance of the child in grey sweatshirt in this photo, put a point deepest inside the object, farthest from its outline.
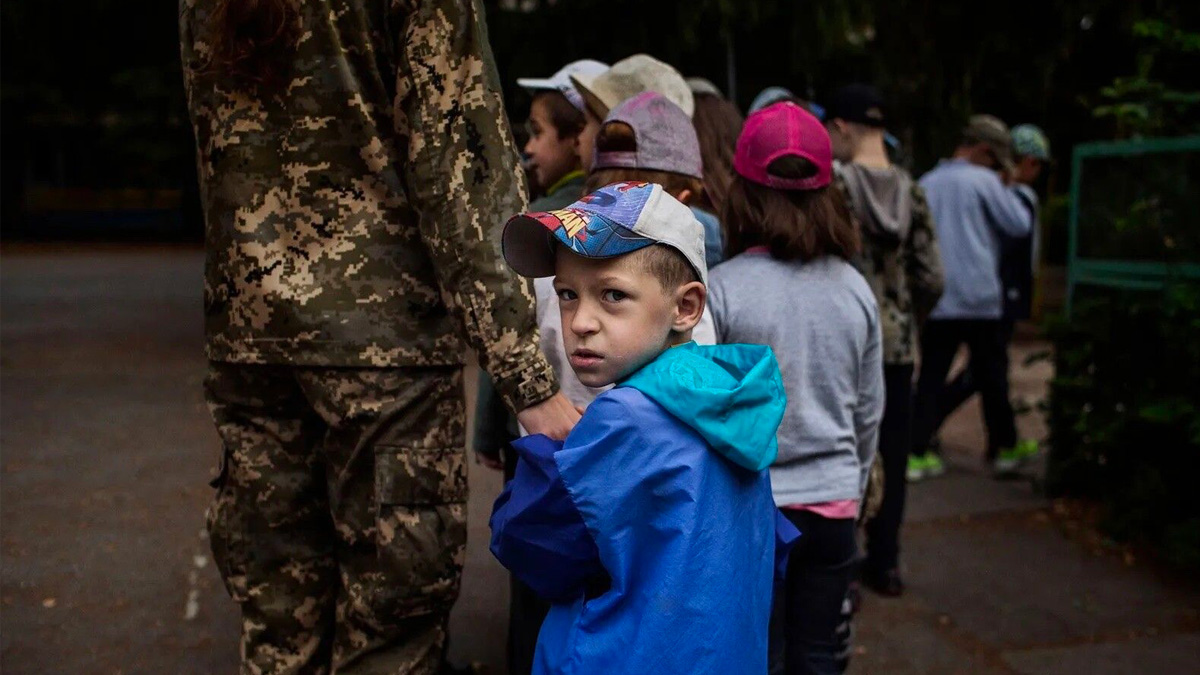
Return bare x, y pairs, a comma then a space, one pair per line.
789, 285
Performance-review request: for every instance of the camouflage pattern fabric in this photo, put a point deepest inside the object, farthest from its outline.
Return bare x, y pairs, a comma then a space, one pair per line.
353, 216
906, 279
873, 497
339, 522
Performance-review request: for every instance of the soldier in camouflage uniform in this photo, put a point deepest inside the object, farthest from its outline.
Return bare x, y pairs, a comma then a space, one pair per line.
352, 207
901, 263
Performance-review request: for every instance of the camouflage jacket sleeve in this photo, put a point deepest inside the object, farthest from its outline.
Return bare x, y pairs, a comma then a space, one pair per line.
924, 261
463, 174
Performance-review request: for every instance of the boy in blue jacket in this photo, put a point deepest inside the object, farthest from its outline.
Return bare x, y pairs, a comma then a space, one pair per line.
651, 528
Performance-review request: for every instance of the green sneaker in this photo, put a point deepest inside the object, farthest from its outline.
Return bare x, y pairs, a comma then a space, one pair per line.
1011, 459
1006, 462
1026, 449
934, 466
916, 468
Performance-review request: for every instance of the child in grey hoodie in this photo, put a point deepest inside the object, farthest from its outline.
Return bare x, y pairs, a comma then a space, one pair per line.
901, 263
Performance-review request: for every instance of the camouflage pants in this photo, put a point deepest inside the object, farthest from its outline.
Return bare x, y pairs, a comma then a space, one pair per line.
339, 521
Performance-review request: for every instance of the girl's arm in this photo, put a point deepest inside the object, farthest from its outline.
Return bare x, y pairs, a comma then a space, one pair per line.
868, 410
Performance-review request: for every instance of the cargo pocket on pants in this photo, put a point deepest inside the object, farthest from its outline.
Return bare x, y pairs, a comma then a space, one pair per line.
421, 528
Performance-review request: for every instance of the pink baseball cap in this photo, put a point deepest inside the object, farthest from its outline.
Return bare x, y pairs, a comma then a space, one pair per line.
779, 130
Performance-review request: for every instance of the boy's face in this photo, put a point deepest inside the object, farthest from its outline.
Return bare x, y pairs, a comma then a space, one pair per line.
617, 317
550, 157
1028, 169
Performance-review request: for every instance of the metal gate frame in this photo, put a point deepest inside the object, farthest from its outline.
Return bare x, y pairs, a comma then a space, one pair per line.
1120, 273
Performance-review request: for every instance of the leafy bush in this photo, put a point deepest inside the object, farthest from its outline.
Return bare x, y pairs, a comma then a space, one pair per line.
1125, 413
1143, 104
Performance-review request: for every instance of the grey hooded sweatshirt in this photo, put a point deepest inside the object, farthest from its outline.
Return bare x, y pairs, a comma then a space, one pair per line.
900, 257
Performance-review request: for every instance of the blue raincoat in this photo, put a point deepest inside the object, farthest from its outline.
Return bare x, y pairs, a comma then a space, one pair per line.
652, 528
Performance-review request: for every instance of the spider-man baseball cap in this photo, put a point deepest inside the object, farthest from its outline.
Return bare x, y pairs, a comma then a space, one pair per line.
612, 221
779, 130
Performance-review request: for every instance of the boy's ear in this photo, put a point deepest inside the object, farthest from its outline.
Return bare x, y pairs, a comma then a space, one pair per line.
689, 306
684, 196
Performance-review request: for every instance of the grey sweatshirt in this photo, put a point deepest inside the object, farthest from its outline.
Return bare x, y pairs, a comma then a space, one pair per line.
971, 207
821, 320
882, 200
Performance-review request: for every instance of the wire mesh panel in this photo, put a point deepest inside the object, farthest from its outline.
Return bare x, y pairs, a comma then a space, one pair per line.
1135, 214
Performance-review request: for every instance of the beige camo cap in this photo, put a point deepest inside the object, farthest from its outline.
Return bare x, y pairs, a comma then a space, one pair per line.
628, 78
991, 130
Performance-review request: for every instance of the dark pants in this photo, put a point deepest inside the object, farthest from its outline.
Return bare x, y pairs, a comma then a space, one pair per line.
895, 439
965, 385
807, 610
526, 611
987, 342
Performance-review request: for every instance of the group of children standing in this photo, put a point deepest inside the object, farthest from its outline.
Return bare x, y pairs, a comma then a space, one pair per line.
702, 298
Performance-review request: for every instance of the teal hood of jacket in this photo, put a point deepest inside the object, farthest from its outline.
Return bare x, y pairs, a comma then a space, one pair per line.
732, 395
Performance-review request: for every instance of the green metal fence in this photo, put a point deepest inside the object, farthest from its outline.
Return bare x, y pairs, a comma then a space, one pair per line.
1135, 214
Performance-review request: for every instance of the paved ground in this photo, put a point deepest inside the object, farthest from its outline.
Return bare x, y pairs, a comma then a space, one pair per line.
106, 449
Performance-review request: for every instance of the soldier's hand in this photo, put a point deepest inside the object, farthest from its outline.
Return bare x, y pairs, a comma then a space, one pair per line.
491, 461
554, 417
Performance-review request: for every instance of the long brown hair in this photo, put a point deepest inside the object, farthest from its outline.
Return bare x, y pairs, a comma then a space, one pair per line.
792, 224
253, 40
718, 124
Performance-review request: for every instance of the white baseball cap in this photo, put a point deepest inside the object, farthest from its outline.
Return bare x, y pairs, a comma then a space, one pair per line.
612, 221
561, 81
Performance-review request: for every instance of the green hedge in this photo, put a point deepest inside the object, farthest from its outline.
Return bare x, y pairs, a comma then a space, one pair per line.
1125, 414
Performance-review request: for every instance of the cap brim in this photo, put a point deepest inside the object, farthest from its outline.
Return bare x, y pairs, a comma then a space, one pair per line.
583, 83
699, 85
528, 239
536, 84
528, 246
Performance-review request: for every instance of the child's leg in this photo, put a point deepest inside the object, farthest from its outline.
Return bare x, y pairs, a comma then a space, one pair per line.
809, 604
988, 342
526, 612
895, 437
939, 343
956, 393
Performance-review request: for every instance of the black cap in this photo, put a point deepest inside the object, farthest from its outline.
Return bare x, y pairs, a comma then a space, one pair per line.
859, 103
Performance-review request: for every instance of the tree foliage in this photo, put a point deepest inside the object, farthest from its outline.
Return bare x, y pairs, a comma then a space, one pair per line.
1146, 104
92, 95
